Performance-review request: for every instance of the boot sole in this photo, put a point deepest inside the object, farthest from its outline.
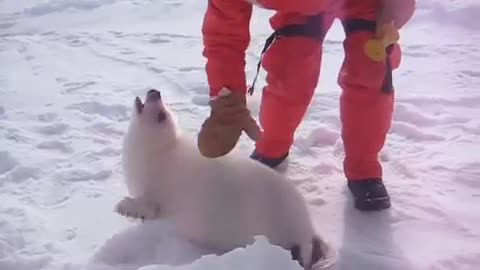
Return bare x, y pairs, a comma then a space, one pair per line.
373, 205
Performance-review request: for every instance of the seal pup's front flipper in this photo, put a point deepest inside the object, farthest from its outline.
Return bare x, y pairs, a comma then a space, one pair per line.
138, 208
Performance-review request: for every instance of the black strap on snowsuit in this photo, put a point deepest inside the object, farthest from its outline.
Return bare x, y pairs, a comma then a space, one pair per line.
354, 25
314, 28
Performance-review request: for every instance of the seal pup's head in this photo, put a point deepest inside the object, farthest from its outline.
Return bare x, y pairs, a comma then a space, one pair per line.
152, 122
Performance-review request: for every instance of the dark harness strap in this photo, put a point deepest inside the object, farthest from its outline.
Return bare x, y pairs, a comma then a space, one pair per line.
312, 28
353, 25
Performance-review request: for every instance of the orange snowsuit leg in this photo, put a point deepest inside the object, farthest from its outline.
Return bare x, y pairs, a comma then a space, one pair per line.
293, 65
367, 98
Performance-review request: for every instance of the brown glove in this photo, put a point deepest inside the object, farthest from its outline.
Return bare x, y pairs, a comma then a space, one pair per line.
221, 131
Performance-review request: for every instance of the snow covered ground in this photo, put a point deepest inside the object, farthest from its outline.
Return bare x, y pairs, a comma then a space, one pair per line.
69, 71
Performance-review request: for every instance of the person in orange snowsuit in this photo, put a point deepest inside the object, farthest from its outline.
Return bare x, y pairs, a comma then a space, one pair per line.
292, 59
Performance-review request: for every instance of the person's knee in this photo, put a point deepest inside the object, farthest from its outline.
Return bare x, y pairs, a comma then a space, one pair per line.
293, 66
358, 70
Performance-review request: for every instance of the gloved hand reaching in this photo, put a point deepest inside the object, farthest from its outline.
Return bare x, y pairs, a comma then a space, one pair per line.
398, 12
392, 15
229, 117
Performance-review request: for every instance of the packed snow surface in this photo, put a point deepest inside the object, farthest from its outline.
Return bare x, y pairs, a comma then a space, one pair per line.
69, 71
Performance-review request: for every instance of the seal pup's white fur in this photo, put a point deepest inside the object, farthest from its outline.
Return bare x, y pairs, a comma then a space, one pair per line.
222, 203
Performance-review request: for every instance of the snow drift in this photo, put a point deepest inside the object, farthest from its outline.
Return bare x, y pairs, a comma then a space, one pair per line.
69, 69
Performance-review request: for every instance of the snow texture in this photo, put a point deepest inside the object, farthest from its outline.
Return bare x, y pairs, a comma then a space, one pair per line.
69, 71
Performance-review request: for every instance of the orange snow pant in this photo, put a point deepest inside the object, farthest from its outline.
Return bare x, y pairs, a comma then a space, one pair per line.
366, 102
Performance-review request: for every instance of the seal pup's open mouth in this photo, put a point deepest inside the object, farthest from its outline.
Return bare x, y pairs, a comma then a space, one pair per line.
153, 98
153, 95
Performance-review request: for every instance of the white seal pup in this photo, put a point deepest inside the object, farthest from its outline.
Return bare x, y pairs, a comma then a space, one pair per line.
221, 203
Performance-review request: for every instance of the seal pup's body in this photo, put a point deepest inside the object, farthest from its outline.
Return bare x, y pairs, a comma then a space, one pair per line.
222, 203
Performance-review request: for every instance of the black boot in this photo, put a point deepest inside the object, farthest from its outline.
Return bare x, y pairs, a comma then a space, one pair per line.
270, 162
369, 194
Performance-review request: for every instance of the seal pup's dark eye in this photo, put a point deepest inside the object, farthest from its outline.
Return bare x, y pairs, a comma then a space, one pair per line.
161, 116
